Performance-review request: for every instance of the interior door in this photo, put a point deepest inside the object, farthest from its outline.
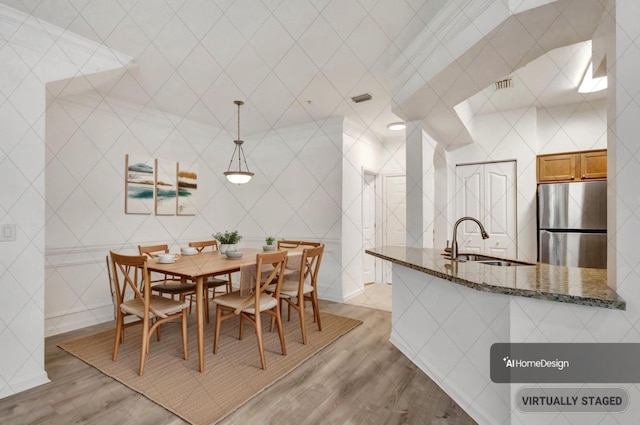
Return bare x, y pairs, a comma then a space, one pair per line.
368, 227
487, 191
395, 210
395, 216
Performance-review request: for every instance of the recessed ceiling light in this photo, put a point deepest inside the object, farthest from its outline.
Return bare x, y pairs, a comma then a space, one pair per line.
396, 126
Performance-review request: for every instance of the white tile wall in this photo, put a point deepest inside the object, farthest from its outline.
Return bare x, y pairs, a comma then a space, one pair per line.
32, 53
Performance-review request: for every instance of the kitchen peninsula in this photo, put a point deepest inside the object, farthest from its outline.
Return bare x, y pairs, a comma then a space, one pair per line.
447, 314
543, 281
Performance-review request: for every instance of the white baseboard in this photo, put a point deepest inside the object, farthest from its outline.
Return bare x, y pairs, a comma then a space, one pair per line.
353, 294
25, 383
62, 323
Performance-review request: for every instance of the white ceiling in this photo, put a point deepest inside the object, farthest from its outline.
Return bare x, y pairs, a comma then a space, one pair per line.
290, 61
540, 83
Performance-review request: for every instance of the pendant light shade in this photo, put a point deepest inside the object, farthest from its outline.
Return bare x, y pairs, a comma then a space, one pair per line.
239, 176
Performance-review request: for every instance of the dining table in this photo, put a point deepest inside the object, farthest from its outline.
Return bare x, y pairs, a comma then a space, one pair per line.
198, 267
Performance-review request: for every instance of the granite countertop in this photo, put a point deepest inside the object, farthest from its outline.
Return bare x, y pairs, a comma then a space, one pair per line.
544, 281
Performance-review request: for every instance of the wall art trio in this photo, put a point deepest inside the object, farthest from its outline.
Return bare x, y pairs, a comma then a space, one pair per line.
160, 187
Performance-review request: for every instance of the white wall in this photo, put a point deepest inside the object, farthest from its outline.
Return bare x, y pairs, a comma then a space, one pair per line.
295, 194
573, 127
32, 53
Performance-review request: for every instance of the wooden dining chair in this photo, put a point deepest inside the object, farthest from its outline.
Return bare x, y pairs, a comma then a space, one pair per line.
213, 281
294, 292
252, 306
292, 244
133, 291
167, 284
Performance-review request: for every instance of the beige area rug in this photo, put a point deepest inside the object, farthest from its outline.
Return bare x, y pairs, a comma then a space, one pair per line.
231, 377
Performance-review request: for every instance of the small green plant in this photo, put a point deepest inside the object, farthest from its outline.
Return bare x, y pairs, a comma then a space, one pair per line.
270, 240
227, 237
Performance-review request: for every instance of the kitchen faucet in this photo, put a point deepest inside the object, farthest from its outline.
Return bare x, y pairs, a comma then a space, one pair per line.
454, 246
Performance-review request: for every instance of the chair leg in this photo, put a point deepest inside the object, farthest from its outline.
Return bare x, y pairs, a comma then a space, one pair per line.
216, 335
241, 332
119, 336
258, 325
316, 309
280, 332
206, 303
303, 326
158, 333
145, 345
184, 333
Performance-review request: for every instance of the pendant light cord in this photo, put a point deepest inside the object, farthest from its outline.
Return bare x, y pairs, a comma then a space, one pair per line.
238, 148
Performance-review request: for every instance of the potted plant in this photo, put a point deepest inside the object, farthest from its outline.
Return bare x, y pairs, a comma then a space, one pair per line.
269, 246
228, 240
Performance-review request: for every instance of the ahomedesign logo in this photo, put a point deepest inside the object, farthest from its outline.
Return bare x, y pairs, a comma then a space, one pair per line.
531, 364
565, 362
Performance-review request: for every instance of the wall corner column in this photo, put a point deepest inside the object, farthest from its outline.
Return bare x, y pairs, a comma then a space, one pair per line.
420, 186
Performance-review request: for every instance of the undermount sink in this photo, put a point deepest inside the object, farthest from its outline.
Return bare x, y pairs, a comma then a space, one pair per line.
475, 257
504, 263
490, 261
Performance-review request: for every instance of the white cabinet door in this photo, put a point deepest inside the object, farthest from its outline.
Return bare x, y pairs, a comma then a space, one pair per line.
487, 191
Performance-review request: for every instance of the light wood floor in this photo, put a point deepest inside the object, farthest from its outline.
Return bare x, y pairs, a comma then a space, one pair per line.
359, 379
375, 295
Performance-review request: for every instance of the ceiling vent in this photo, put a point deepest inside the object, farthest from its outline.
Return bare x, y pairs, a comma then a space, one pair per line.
504, 84
362, 98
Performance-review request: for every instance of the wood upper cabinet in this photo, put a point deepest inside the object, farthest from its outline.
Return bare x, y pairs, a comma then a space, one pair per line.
572, 166
593, 165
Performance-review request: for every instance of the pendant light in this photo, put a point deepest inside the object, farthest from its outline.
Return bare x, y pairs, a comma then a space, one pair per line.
239, 176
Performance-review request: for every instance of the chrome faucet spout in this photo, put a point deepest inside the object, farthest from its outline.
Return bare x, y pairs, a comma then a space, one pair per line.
454, 245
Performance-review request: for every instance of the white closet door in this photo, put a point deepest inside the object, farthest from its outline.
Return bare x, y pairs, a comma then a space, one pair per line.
487, 191
470, 203
500, 217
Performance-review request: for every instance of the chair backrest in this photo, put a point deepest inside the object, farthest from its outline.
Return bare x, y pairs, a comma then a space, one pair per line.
153, 250
310, 264
284, 244
200, 246
129, 274
274, 264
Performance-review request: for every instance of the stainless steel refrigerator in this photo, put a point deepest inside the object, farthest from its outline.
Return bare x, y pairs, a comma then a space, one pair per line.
572, 224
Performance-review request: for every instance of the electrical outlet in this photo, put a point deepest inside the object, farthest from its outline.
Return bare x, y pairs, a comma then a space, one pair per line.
8, 233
